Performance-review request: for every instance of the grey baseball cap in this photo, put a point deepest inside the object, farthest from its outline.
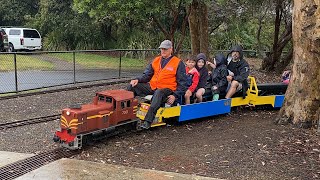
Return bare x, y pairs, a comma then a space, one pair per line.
166, 44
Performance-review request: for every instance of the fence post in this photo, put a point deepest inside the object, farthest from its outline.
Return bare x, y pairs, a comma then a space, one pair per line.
74, 67
120, 65
15, 71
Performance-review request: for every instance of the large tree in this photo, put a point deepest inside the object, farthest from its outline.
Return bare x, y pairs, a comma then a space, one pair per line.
198, 24
302, 100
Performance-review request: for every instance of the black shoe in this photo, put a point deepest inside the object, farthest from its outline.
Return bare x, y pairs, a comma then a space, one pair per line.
146, 125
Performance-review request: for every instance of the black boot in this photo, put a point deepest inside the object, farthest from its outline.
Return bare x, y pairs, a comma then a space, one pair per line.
146, 125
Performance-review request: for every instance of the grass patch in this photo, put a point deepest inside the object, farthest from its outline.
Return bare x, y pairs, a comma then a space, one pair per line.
101, 61
24, 62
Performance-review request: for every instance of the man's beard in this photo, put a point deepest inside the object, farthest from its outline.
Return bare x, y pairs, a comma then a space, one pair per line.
235, 59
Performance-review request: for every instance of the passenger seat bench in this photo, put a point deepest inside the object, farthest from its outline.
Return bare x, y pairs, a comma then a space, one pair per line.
148, 99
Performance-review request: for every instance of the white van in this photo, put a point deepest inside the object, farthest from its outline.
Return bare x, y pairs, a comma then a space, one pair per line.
23, 39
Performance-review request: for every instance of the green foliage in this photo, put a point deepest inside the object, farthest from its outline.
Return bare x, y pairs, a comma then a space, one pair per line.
238, 24
133, 22
126, 11
243, 33
130, 24
65, 29
16, 13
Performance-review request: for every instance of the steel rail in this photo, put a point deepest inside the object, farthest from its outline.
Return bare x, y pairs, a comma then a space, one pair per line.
29, 121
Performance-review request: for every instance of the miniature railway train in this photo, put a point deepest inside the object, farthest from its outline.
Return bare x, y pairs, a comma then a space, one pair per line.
112, 109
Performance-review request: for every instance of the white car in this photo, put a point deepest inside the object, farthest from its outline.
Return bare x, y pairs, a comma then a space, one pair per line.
23, 39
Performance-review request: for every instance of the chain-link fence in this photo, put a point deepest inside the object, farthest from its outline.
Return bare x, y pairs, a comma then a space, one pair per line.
20, 71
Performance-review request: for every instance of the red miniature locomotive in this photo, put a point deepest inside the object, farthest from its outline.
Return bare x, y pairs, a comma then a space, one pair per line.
109, 109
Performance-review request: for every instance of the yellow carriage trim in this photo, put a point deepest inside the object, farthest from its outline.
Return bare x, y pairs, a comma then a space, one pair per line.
252, 98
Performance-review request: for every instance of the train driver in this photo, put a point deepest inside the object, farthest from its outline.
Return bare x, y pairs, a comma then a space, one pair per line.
164, 78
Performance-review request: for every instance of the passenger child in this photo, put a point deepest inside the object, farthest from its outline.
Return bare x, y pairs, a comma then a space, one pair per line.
192, 78
203, 71
218, 76
286, 76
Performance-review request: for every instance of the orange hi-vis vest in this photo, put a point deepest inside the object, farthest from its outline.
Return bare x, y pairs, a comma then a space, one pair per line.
164, 77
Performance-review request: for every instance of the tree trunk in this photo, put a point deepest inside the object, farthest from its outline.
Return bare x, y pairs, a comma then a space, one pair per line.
275, 56
198, 24
269, 61
259, 48
261, 17
277, 25
203, 22
302, 101
194, 27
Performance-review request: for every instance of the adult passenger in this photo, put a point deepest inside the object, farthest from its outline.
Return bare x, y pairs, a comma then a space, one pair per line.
240, 71
164, 78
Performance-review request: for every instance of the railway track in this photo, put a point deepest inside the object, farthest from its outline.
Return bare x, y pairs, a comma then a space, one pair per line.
19, 168
29, 121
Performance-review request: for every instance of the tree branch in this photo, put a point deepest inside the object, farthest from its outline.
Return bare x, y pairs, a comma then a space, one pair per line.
216, 27
183, 28
175, 18
162, 28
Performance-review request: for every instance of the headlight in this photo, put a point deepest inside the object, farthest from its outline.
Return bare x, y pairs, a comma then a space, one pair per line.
68, 113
